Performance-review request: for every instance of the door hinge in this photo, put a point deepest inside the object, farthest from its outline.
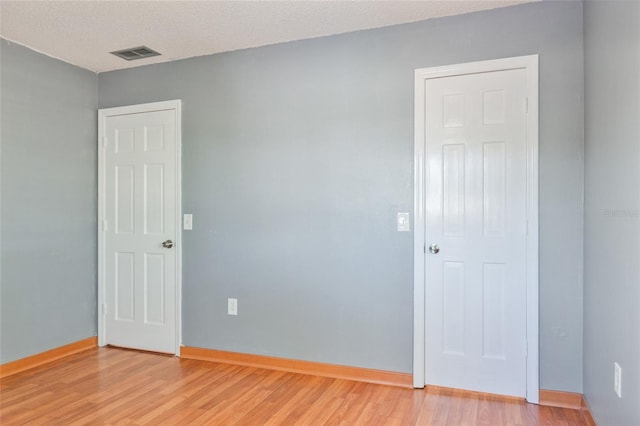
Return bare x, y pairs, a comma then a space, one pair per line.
424, 248
104, 226
525, 104
105, 141
104, 309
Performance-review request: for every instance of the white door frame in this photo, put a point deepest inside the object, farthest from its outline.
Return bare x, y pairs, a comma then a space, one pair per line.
103, 114
530, 64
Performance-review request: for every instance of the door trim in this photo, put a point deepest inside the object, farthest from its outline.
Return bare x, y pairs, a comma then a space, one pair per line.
103, 114
530, 64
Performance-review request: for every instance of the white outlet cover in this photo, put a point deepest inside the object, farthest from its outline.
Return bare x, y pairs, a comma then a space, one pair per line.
188, 222
404, 224
232, 306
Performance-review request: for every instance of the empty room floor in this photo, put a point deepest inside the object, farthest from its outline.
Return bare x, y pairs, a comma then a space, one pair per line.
117, 386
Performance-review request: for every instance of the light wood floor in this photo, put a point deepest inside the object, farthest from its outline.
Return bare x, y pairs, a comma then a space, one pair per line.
115, 386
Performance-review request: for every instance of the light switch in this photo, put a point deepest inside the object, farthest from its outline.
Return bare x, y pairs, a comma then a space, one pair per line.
188, 222
403, 222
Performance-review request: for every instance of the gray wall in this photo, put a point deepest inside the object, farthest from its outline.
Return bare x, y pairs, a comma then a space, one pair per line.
297, 157
612, 210
48, 203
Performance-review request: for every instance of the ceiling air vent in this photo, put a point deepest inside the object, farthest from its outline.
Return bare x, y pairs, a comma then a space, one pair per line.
135, 53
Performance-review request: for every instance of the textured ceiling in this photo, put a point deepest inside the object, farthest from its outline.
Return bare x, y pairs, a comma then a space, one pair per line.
84, 32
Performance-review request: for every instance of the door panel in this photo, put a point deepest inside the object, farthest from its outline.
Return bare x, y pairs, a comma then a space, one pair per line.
140, 211
475, 211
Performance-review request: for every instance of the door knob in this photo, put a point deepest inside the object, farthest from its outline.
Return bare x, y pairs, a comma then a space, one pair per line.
434, 249
167, 244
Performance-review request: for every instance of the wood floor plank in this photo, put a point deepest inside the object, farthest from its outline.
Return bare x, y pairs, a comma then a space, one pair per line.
109, 386
351, 393
289, 390
323, 406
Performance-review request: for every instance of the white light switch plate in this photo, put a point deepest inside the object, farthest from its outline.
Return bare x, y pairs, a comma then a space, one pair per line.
188, 222
403, 222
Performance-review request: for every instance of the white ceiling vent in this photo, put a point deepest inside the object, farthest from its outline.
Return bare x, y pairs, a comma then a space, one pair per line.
135, 53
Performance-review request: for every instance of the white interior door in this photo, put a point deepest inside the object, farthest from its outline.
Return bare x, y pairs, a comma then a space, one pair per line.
139, 211
476, 232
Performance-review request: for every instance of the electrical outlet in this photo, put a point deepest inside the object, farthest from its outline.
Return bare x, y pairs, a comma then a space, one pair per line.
188, 222
403, 222
232, 306
617, 379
